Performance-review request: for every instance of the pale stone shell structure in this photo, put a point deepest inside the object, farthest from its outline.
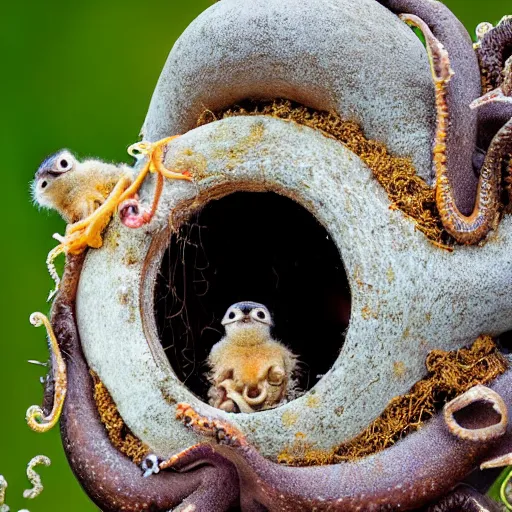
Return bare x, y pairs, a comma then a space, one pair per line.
354, 58
409, 296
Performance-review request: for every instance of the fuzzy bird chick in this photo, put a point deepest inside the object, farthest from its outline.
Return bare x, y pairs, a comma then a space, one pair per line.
88, 193
85, 194
75, 189
250, 371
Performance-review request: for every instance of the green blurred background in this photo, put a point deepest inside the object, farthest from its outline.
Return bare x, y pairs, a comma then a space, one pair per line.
77, 75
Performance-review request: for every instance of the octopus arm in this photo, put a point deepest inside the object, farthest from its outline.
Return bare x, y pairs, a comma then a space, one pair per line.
463, 89
111, 479
417, 470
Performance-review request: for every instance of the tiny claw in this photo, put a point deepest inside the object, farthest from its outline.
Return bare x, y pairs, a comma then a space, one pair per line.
37, 363
51, 295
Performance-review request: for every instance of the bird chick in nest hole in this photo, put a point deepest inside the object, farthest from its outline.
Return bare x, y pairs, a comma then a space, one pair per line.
250, 371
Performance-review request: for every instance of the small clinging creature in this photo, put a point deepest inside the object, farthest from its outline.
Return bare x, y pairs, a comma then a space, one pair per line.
250, 371
86, 194
76, 189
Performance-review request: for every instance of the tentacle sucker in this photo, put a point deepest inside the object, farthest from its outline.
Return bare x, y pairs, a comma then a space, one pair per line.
477, 394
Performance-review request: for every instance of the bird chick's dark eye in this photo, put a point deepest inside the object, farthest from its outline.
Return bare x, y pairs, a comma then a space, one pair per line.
64, 163
260, 314
43, 184
231, 315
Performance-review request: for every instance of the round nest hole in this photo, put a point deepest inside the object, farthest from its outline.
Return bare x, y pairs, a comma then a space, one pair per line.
259, 247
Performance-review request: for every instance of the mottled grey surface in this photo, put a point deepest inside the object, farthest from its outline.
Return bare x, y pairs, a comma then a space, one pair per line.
351, 56
408, 296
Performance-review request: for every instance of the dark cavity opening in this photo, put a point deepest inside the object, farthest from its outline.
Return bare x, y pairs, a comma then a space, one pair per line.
260, 247
504, 342
480, 414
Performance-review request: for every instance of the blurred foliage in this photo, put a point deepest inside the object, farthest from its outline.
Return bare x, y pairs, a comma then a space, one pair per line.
501, 489
77, 75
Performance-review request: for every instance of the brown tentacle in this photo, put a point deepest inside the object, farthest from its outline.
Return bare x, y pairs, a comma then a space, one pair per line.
492, 49
466, 229
425, 465
464, 87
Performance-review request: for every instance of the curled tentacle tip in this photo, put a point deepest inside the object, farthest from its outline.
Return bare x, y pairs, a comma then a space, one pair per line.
132, 214
140, 149
35, 479
36, 319
276, 375
35, 418
38, 422
441, 69
482, 29
256, 396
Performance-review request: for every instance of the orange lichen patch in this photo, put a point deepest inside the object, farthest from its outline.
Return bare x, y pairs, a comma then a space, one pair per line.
119, 434
449, 375
406, 191
368, 313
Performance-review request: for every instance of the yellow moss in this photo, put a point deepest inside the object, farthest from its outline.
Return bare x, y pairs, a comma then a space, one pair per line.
406, 191
449, 375
119, 434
